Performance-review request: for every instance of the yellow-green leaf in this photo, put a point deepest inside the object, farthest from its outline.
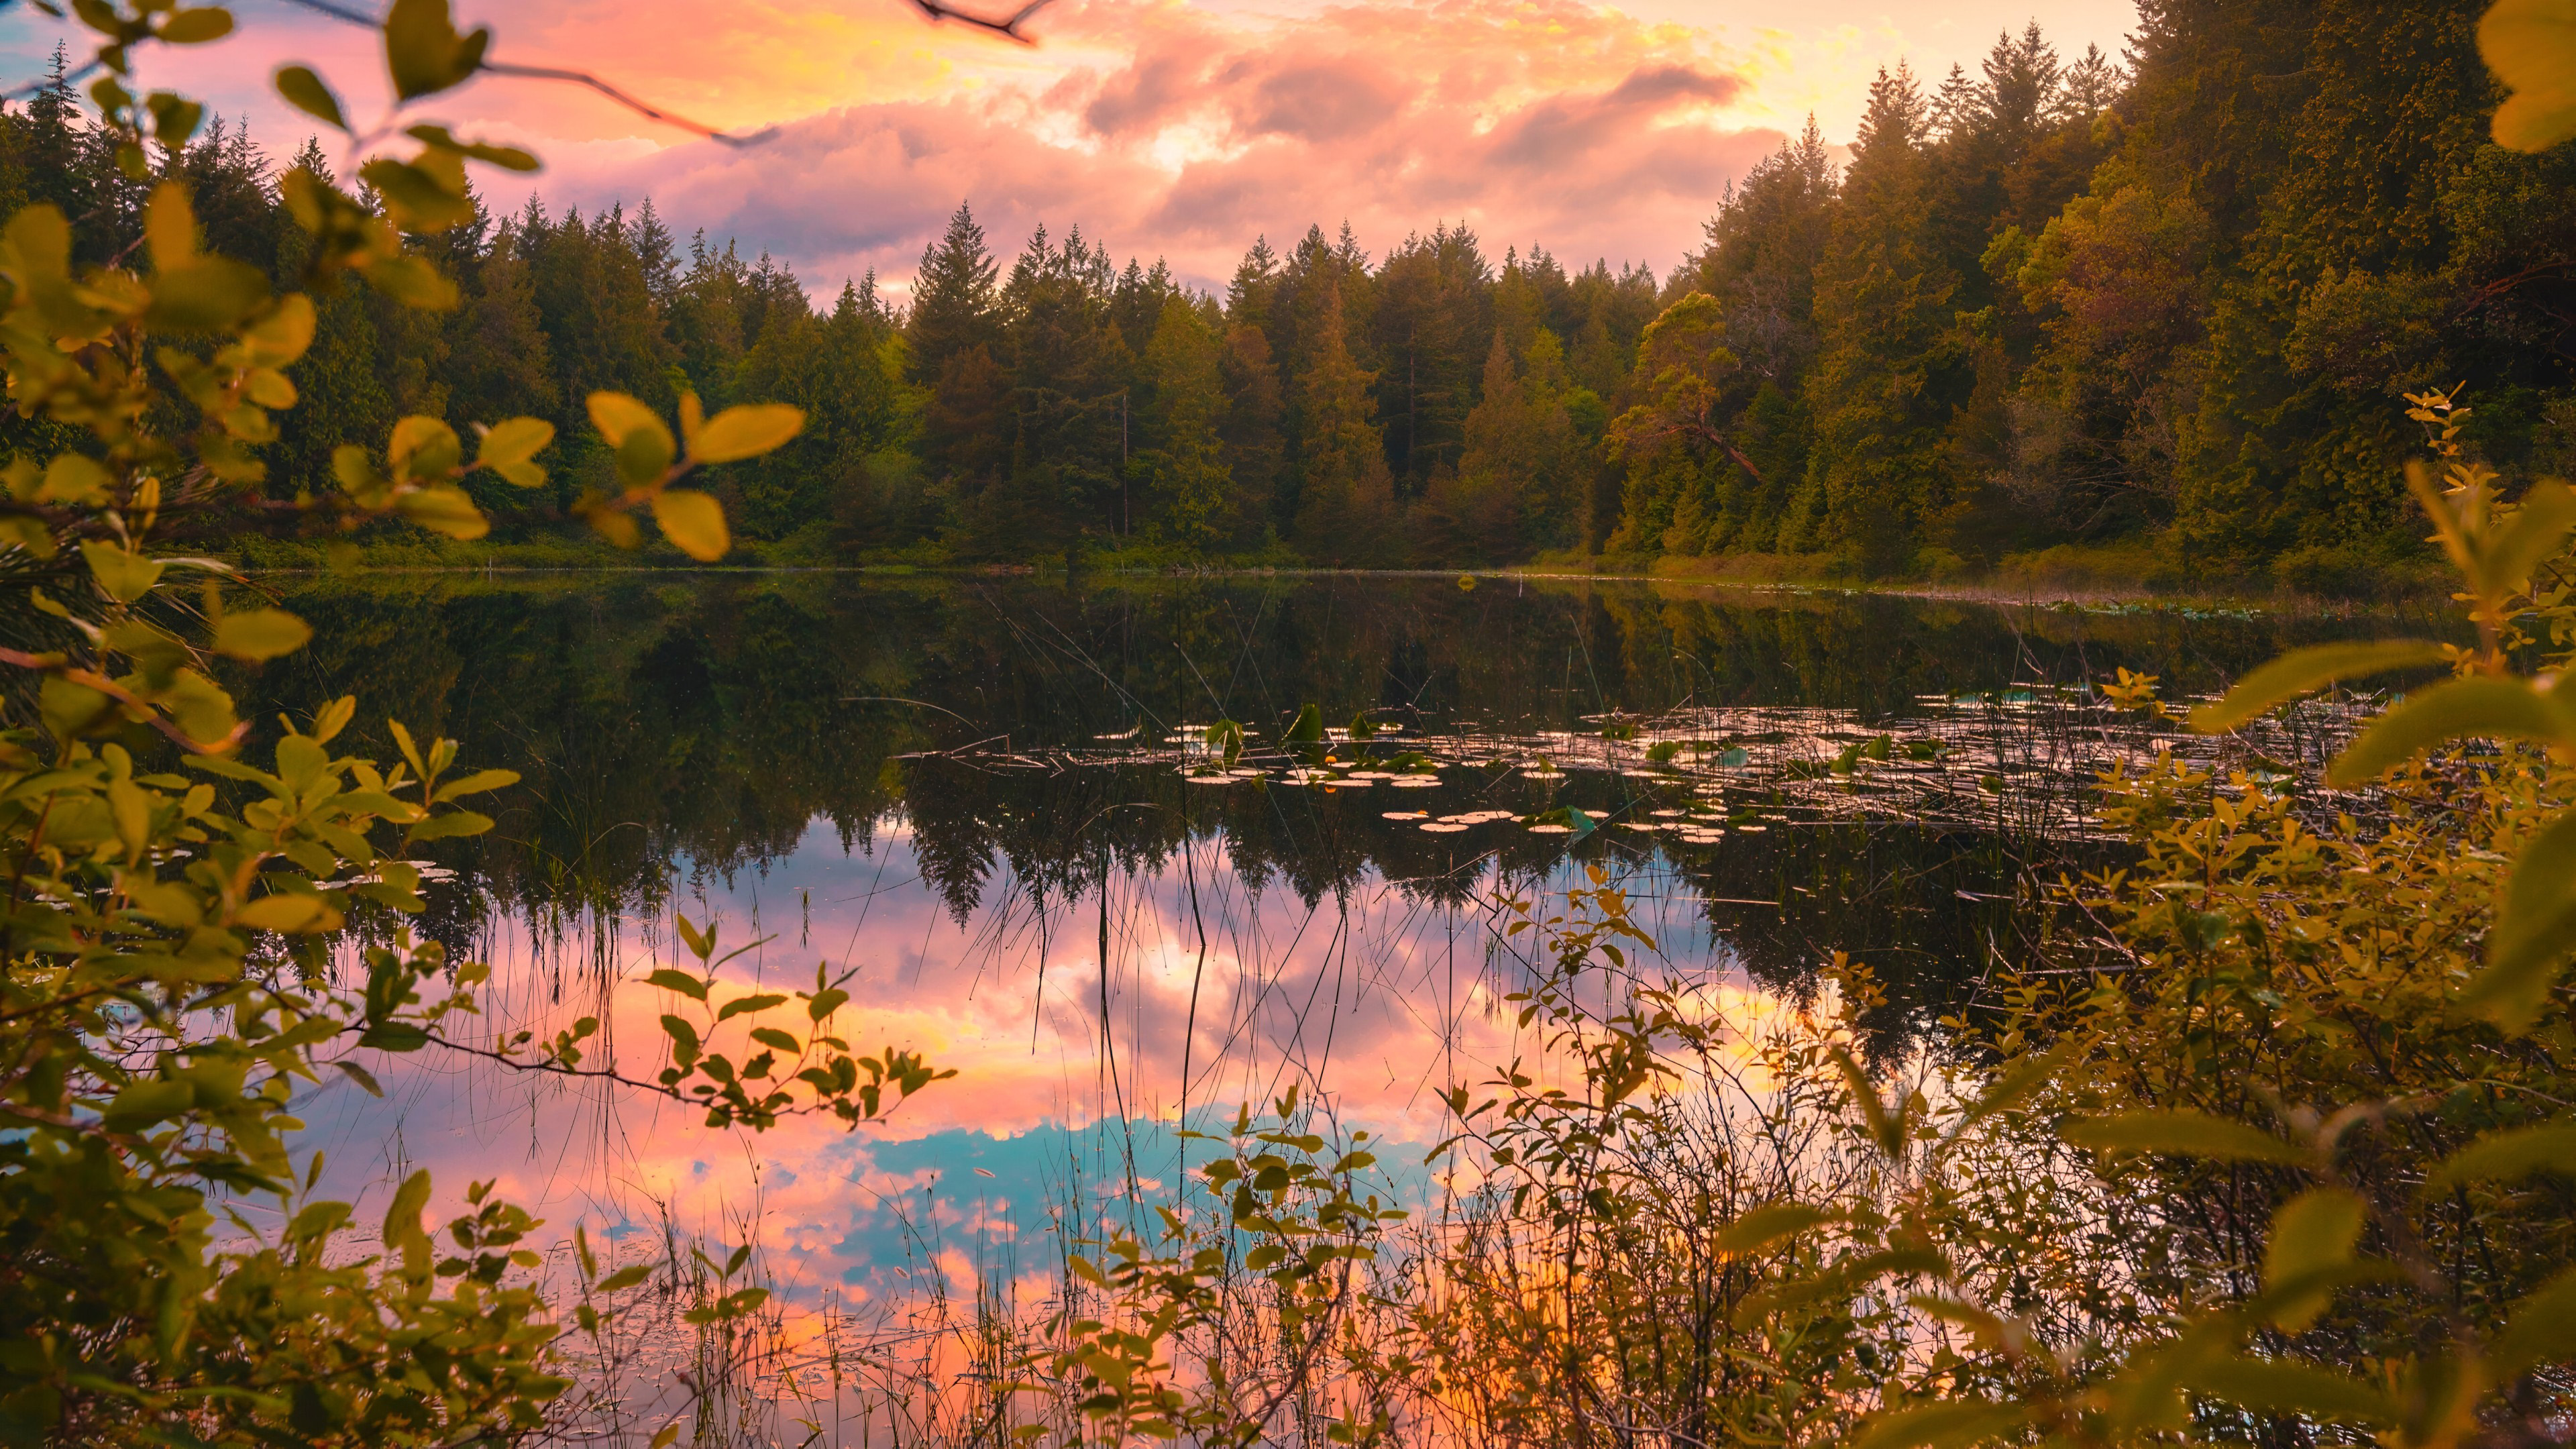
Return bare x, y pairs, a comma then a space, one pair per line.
2537, 530
746, 432
423, 51
515, 438
305, 91
423, 447
208, 294
444, 509
1947, 1424
73, 478
2480, 708
694, 521
2531, 46
421, 200
618, 416
280, 335
2533, 932
2181, 1133
2301, 670
290, 914
2312, 1232
2542, 1329
260, 634
126, 576
170, 227
1766, 1225
2505, 1156
452, 823
2279, 1387
196, 26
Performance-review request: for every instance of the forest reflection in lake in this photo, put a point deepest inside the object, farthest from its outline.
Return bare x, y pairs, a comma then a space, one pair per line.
976, 793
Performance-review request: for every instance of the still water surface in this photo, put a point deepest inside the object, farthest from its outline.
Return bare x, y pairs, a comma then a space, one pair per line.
990, 798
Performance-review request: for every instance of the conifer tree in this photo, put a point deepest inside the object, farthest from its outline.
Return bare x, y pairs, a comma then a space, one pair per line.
1346, 496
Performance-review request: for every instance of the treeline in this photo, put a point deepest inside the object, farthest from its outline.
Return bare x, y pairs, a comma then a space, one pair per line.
2169, 306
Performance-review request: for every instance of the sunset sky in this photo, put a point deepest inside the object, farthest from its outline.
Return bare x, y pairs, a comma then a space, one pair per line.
1163, 128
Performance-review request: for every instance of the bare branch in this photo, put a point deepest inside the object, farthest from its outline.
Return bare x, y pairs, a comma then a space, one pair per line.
1010, 28
933, 9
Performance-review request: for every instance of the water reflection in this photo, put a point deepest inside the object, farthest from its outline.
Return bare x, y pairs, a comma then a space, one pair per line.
909, 779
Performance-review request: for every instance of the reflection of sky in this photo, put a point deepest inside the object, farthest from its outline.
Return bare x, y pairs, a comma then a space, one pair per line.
1376, 1002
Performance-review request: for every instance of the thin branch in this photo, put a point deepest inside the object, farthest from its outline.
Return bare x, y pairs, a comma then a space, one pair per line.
89, 679
1010, 28
934, 10
640, 107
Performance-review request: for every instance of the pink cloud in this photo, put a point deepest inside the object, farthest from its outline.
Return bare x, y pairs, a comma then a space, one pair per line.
1163, 128
1176, 133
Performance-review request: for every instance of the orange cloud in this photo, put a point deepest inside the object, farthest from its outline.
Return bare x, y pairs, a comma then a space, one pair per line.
1177, 132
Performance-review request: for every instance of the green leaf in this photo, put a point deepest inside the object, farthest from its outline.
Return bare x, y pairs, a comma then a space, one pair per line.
1946, 1425
410, 281
305, 91
1308, 728
444, 508
679, 981
2010, 1088
2533, 932
2312, 1232
423, 448
1766, 1225
452, 823
421, 200
365, 1079
477, 783
402, 1215
509, 158
2181, 1133
623, 1278
746, 432
2506, 1156
2277, 1387
423, 51
73, 478
741, 1004
208, 294
693, 521
2531, 47
141, 1104
125, 576
2481, 708
825, 1002
196, 26
619, 417
770, 1036
257, 634
2301, 670
2541, 1329
288, 914
2537, 530
510, 447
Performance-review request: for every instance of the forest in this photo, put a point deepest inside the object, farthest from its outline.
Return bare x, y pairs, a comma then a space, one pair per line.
2163, 303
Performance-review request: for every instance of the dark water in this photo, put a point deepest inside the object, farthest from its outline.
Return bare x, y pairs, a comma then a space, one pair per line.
976, 793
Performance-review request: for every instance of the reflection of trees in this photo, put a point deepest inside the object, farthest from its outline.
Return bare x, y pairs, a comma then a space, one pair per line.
711, 719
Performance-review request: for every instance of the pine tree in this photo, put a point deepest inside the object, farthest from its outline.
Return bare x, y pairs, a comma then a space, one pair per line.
1185, 467
954, 300
1346, 497
1883, 305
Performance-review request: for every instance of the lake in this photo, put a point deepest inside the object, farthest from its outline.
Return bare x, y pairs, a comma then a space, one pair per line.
994, 800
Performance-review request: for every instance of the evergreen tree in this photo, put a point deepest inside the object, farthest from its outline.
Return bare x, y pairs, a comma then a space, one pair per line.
1346, 497
955, 300
1185, 467
1886, 364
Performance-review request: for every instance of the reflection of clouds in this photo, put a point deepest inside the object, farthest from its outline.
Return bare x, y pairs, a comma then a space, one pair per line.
1380, 997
